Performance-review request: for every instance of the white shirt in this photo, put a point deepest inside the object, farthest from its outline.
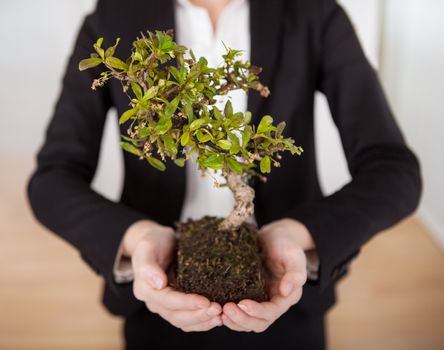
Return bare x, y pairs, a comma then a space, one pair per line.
195, 31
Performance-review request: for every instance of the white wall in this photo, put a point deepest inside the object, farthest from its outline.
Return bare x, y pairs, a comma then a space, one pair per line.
413, 71
333, 171
37, 38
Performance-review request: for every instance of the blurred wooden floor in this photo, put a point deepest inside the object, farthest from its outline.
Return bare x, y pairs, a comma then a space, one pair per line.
393, 299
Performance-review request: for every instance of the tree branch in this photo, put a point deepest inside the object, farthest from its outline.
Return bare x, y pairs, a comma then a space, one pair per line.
243, 207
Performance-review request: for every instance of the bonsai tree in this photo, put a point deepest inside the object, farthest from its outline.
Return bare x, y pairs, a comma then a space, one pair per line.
172, 115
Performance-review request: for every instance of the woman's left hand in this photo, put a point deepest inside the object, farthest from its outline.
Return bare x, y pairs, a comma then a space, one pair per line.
284, 243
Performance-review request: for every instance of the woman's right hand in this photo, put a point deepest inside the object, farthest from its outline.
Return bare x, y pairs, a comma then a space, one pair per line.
151, 247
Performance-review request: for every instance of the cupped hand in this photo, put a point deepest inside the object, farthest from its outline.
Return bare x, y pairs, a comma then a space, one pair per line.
151, 254
284, 243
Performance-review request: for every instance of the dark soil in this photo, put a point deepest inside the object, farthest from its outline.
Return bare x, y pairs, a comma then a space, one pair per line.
222, 266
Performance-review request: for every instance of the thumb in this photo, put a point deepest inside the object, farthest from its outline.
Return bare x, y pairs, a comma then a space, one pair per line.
155, 276
290, 281
147, 268
295, 274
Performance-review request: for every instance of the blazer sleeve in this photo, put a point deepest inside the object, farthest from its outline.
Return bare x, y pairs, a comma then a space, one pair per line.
59, 189
386, 183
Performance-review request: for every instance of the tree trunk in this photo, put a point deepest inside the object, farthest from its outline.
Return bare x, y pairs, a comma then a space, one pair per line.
243, 207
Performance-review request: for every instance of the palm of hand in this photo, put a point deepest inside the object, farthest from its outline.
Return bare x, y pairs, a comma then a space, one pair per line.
285, 276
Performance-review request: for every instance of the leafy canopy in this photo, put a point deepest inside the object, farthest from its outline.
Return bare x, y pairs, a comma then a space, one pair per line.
172, 110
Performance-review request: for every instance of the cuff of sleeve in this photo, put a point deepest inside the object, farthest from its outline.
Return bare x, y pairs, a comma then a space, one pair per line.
312, 265
333, 256
101, 255
123, 270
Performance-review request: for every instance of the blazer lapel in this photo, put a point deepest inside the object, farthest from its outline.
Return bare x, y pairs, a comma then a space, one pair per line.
266, 18
159, 15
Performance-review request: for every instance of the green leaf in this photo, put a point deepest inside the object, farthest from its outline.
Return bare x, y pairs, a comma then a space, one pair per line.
235, 149
265, 165
171, 107
130, 148
279, 129
203, 137
224, 144
137, 90
138, 56
175, 72
228, 111
189, 111
246, 135
127, 115
204, 112
143, 132
151, 92
265, 124
126, 138
247, 118
165, 42
180, 59
180, 162
234, 165
89, 63
217, 113
193, 57
197, 124
99, 42
185, 138
163, 125
112, 49
100, 51
170, 145
156, 163
203, 61
183, 73
116, 63
233, 138
215, 162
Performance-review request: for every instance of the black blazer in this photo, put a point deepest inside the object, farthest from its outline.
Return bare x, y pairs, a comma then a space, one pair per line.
304, 46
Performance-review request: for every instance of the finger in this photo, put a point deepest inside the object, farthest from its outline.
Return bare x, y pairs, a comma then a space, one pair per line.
244, 320
262, 310
146, 266
204, 326
171, 299
182, 318
290, 281
270, 310
266, 228
295, 271
233, 326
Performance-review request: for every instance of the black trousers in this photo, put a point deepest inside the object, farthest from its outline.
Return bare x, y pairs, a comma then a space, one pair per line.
293, 330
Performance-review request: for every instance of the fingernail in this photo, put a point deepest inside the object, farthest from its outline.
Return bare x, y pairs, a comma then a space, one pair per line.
288, 288
156, 282
212, 311
243, 307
